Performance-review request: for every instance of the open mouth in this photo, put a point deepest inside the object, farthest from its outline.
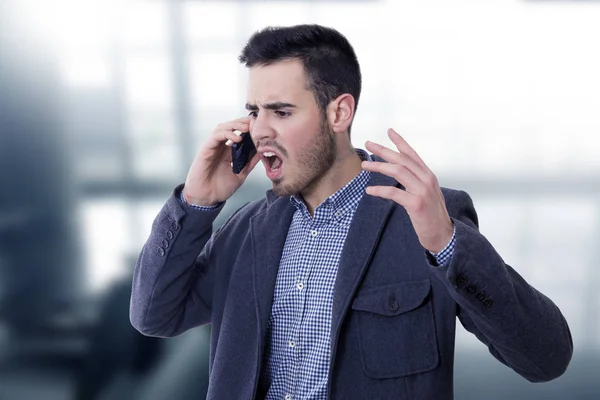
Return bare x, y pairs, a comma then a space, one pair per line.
273, 164
273, 161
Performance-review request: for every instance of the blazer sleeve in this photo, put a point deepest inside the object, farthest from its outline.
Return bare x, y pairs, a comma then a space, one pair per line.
521, 327
173, 278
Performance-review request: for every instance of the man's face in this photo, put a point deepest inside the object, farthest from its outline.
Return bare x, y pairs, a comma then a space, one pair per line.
296, 145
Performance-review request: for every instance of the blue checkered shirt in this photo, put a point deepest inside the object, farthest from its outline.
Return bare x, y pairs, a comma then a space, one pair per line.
298, 342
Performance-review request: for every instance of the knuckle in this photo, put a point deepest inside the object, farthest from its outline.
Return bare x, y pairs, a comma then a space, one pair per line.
419, 203
430, 179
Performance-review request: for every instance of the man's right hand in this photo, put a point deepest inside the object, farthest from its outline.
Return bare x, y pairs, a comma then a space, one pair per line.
210, 179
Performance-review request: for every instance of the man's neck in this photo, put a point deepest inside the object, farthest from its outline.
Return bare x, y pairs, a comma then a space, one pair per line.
343, 171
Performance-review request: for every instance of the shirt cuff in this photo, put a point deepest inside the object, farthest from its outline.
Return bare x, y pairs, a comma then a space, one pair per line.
195, 207
444, 256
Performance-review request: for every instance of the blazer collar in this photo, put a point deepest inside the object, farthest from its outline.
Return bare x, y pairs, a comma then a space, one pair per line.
269, 229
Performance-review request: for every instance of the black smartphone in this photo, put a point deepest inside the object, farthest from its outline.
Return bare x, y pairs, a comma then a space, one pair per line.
242, 152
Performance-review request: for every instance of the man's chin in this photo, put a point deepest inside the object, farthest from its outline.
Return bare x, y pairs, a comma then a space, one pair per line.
282, 190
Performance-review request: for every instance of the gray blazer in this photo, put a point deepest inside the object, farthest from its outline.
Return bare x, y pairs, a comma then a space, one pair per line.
394, 311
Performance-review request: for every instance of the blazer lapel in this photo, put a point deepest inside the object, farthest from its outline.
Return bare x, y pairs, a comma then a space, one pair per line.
365, 230
268, 232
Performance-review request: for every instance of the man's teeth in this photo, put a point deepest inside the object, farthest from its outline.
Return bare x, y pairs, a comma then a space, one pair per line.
268, 154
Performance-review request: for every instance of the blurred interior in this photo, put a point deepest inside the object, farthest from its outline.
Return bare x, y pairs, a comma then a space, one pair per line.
104, 103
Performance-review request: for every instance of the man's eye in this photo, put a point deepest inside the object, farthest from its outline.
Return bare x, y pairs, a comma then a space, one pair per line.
283, 114
253, 114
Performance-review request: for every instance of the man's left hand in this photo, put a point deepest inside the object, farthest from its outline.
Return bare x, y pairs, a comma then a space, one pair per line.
422, 199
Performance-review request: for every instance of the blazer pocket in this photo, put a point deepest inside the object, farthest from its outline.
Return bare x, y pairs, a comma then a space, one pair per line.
396, 329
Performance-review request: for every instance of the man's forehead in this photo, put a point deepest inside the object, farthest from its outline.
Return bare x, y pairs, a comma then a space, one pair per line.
273, 93
281, 82
277, 77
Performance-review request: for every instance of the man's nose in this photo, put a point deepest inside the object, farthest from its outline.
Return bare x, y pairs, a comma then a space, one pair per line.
260, 129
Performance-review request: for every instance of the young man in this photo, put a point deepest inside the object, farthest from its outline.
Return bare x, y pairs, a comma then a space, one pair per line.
345, 281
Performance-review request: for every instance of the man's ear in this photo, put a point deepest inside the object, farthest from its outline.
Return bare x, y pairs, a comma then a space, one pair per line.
340, 112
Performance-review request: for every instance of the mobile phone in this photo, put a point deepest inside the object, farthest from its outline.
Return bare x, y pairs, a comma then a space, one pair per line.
242, 152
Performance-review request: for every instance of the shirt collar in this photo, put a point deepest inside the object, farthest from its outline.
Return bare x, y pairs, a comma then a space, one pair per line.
342, 201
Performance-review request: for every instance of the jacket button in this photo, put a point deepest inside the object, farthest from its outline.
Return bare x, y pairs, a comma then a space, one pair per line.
471, 289
169, 235
481, 295
161, 251
174, 225
165, 243
488, 303
393, 306
462, 280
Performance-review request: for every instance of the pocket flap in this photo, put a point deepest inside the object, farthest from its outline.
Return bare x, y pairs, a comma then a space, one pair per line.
393, 299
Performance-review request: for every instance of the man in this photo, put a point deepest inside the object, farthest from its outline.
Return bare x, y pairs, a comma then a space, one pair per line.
345, 280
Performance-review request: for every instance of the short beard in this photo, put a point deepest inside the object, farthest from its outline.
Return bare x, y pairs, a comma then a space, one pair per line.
313, 162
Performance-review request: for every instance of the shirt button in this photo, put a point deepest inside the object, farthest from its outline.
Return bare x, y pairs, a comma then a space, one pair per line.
338, 214
314, 233
288, 397
292, 343
300, 285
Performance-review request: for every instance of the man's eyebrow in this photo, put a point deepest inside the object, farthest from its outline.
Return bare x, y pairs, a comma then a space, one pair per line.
270, 106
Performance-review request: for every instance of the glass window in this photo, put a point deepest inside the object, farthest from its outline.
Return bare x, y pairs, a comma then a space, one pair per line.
264, 14
206, 21
214, 81
86, 69
105, 246
148, 81
155, 148
145, 24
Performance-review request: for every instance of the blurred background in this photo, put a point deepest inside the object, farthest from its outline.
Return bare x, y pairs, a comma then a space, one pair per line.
104, 103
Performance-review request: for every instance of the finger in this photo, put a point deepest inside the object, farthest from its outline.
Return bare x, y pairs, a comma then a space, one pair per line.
241, 125
244, 120
394, 157
237, 133
395, 194
235, 126
405, 148
232, 137
399, 172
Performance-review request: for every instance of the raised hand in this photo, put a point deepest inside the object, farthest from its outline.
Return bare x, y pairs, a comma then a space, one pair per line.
422, 199
210, 179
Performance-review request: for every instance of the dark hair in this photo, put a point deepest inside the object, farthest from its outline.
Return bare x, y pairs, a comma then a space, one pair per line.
330, 64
